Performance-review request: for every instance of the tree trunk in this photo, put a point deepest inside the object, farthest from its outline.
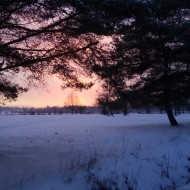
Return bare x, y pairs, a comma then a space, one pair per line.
167, 95
175, 107
125, 111
170, 115
72, 110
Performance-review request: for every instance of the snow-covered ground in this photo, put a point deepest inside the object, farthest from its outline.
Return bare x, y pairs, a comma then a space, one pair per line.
94, 152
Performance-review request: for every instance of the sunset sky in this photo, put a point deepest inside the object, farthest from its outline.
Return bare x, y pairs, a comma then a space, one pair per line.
54, 96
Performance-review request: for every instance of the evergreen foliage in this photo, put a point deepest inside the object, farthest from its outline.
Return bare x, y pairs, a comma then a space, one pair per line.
153, 52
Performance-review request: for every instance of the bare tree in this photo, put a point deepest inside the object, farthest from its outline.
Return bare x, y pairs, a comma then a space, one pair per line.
72, 102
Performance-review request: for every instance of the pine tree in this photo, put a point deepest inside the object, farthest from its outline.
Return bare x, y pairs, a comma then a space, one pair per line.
153, 51
156, 51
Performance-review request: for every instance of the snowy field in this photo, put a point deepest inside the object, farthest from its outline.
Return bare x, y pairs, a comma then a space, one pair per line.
94, 152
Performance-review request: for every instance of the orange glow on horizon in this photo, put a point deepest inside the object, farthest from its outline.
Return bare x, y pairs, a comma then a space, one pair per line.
54, 96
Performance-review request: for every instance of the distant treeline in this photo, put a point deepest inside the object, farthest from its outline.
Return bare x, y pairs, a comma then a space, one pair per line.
105, 110
111, 108
49, 110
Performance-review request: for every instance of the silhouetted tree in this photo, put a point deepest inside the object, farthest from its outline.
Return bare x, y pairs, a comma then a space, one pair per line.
40, 38
72, 102
153, 52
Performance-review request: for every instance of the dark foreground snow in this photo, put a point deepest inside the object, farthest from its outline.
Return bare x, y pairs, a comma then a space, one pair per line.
84, 152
